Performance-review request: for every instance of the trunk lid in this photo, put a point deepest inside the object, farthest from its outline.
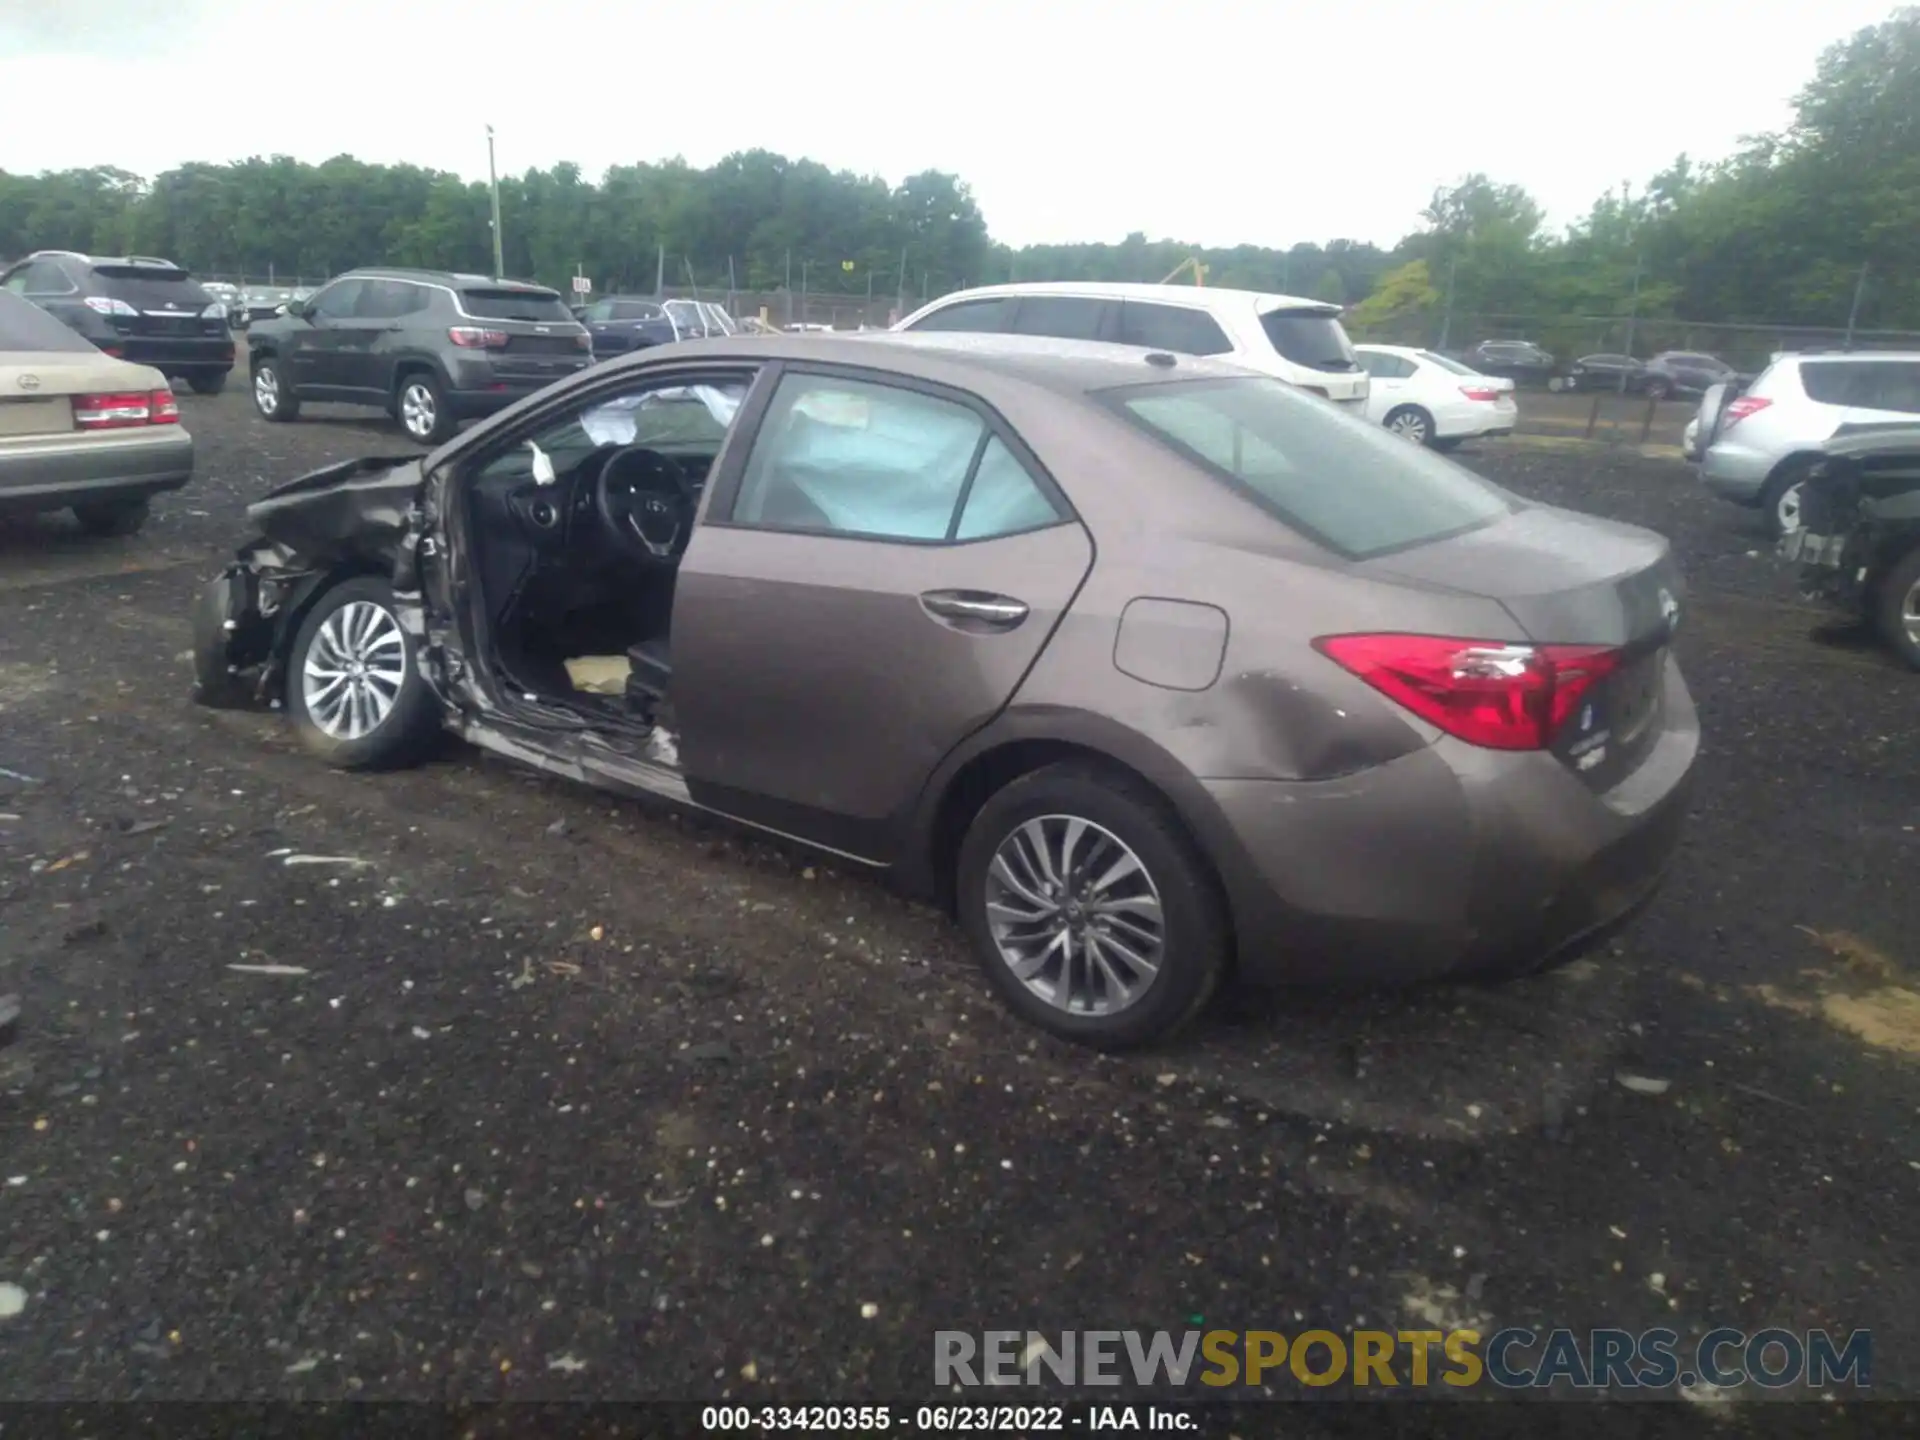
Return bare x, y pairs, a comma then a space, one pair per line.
1570, 579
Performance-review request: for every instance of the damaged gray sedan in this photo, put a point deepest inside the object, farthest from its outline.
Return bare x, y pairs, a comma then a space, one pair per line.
1147, 667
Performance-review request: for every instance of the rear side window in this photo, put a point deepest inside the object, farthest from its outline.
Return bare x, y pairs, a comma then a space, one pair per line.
1385, 367
969, 316
1179, 328
25, 326
1454, 367
41, 277
846, 457
1063, 317
1353, 488
631, 310
1312, 338
541, 305
1891, 385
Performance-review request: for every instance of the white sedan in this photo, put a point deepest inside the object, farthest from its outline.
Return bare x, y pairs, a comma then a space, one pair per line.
1432, 400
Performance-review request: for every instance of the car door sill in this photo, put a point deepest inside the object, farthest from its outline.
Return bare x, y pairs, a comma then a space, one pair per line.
583, 756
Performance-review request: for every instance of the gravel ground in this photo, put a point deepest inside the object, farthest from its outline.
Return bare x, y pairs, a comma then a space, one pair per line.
579, 1100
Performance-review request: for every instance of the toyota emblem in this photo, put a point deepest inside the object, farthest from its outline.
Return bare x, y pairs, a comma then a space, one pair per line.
29, 382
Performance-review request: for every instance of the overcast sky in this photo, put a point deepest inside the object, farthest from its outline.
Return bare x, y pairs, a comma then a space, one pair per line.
1211, 121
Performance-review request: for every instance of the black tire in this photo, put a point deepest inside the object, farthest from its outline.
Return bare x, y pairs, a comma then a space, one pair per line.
208, 384
110, 518
1780, 498
403, 735
1898, 593
1412, 422
1193, 910
420, 404
278, 403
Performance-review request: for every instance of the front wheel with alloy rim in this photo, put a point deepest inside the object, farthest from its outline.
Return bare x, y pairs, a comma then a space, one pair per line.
1089, 907
422, 407
1780, 502
354, 690
1410, 422
1897, 608
271, 395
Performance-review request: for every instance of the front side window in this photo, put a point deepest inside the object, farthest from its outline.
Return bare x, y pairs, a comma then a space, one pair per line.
631, 310
968, 316
849, 457
337, 301
685, 419
1355, 489
1178, 328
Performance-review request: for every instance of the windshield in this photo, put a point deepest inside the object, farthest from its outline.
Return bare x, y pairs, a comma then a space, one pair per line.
24, 326
1445, 363
1348, 485
542, 305
1314, 338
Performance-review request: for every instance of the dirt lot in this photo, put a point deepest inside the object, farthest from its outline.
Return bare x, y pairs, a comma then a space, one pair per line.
1606, 417
578, 1100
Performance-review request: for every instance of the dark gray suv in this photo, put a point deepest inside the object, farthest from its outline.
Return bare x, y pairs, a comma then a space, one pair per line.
429, 347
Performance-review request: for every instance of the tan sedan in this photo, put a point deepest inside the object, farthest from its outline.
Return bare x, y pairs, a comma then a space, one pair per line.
81, 429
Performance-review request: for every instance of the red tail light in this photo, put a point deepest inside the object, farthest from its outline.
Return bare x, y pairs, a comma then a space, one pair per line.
583, 340
1738, 410
1486, 692
1479, 392
124, 409
472, 337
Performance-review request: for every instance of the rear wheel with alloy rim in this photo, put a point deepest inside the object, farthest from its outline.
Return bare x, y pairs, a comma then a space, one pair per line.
1898, 608
1089, 908
1780, 501
354, 691
1410, 422
422, 408
271, 395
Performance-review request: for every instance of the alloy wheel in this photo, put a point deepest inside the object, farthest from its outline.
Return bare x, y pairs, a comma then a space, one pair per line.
354, 670
1409, 425
1075, 915
266, 390
1786, 509
1910, 614
418, 412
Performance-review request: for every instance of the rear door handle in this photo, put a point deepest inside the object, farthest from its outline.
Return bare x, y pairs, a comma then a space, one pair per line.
974, 609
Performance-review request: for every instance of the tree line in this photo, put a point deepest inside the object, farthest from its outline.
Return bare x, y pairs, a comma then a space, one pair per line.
1808, 226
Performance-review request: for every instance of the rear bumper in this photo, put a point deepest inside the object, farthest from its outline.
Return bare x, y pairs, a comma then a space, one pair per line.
481, 387
51, 474
176, 354
1449, 862
1735, 474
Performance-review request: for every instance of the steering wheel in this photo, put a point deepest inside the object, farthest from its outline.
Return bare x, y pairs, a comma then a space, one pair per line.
646, 504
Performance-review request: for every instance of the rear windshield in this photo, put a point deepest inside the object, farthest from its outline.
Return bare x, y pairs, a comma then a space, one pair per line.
1350, 486
25, 326
1446, 363
541, 305
1312, 338
152, 287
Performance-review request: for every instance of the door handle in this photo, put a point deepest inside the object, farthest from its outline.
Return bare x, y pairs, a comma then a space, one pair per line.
974, 609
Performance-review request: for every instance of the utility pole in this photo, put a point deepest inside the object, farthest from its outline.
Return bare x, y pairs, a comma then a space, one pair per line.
493, 184
688, 263
1853, 315
1446, 320
806, 269
730, 285
900, 287
660, 271
1633, 313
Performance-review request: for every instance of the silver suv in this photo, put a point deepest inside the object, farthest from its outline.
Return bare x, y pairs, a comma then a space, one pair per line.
1754, 446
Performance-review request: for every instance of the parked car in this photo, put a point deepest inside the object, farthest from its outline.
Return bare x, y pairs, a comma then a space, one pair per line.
1600, 372
1684, 372
1432, 400
428, 346
1755, 443
1858, 544
228, 298
135, 308
1299, 341
619, 323
80, 428
258, 305
700, 319
1520, 361
1145, 665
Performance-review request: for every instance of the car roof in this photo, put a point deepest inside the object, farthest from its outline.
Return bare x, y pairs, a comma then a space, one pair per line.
1066, 367
155, 261
451, 279
1412, 352
1832, 357
1200, 295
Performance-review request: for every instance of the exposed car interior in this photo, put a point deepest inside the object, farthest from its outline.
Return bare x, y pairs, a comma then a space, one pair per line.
577, 535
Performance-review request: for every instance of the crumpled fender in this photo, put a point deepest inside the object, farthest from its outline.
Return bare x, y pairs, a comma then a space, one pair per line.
357, 510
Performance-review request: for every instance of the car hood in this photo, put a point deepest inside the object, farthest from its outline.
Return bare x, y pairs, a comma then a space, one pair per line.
358, 508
